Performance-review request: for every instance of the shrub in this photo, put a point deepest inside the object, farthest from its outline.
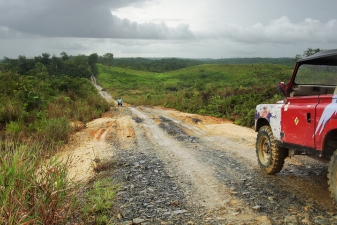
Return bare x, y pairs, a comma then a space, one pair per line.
11, 109
14, 128
53, 131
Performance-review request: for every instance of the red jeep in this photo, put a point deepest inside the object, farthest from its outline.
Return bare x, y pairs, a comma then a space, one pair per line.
305, 122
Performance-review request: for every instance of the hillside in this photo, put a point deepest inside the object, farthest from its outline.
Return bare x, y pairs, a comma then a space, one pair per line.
229, 91
209, 74
169, 64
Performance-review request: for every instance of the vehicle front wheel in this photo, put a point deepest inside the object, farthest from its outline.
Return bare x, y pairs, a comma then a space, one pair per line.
269, 156
332, 176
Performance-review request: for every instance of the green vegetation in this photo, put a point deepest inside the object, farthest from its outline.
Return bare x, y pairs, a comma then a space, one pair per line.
170, 64
97, 201
41, 98
230, 91
33, 190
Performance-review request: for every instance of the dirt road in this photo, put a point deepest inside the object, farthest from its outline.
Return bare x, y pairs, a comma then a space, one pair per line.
180, 168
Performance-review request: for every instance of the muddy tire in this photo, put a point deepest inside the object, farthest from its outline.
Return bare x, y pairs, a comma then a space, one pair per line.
332, 177
269, 156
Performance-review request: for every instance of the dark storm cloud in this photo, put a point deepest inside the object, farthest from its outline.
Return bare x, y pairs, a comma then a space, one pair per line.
80, 18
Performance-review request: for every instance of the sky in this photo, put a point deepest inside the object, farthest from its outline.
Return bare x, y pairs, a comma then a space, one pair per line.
167, 28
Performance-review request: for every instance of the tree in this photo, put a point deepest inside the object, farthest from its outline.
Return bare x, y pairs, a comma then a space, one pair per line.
25, 65
92, 60
107, 59
40, 71
308, 52
297, 57
56, 65
45, 58
311, 51
77, 67
64, 56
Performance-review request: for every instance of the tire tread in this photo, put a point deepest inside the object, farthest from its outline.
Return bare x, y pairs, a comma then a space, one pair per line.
278, 153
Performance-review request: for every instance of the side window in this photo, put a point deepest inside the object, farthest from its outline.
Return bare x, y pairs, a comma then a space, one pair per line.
316, 74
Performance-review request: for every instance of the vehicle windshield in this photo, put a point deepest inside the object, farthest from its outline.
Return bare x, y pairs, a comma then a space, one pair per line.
316, 74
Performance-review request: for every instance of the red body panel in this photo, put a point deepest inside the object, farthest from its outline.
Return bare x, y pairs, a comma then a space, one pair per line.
326, 118
298, 120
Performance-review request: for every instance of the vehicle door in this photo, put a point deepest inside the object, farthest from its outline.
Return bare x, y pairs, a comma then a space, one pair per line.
326, 118
298, 120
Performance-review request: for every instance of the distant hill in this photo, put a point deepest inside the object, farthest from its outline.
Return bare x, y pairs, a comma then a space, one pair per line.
217, 75
279, 61
170, 64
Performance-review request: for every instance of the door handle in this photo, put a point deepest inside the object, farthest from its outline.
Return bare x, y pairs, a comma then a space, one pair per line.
308, 117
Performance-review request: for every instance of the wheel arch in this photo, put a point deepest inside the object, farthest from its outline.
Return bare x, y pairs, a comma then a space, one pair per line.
260, 123
330, 143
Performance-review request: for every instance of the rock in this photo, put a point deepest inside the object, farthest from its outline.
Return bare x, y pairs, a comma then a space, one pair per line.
291, 220
263, 220
150, 189
306, 221
321, 220
232, 202
175, 203
127, 223
137, 221
179, 212
257, 207
306, 208
220, 218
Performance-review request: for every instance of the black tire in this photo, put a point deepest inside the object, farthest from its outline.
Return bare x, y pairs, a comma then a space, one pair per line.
332, 177
269, 156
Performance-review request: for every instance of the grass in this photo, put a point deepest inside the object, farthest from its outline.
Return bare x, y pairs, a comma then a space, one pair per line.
230, 91
99, 199
209, 74
33, 190
95, 198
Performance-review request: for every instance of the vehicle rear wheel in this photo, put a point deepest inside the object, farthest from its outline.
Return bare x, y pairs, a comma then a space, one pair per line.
269, 156
332, 176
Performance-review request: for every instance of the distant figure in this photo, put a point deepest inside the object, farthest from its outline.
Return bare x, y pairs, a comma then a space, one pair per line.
119, 102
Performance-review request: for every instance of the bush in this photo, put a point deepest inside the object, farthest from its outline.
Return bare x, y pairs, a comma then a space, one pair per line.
14, 129
11, 109
53, 131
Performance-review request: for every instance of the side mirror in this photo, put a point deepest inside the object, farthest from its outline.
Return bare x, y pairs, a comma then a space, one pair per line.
282, 88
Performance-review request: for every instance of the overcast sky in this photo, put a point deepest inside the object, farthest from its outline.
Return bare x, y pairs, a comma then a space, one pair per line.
167, 28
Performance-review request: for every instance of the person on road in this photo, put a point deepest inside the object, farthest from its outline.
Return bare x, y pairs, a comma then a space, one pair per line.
119, 102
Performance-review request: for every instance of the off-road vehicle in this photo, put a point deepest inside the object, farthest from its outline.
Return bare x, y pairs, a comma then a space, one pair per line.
305, 122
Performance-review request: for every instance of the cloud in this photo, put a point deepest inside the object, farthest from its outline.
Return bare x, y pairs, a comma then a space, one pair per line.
87, 19
282, 31
160, 28
124, 28
7, 33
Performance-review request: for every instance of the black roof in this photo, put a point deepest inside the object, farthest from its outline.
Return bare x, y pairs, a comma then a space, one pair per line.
327, 57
